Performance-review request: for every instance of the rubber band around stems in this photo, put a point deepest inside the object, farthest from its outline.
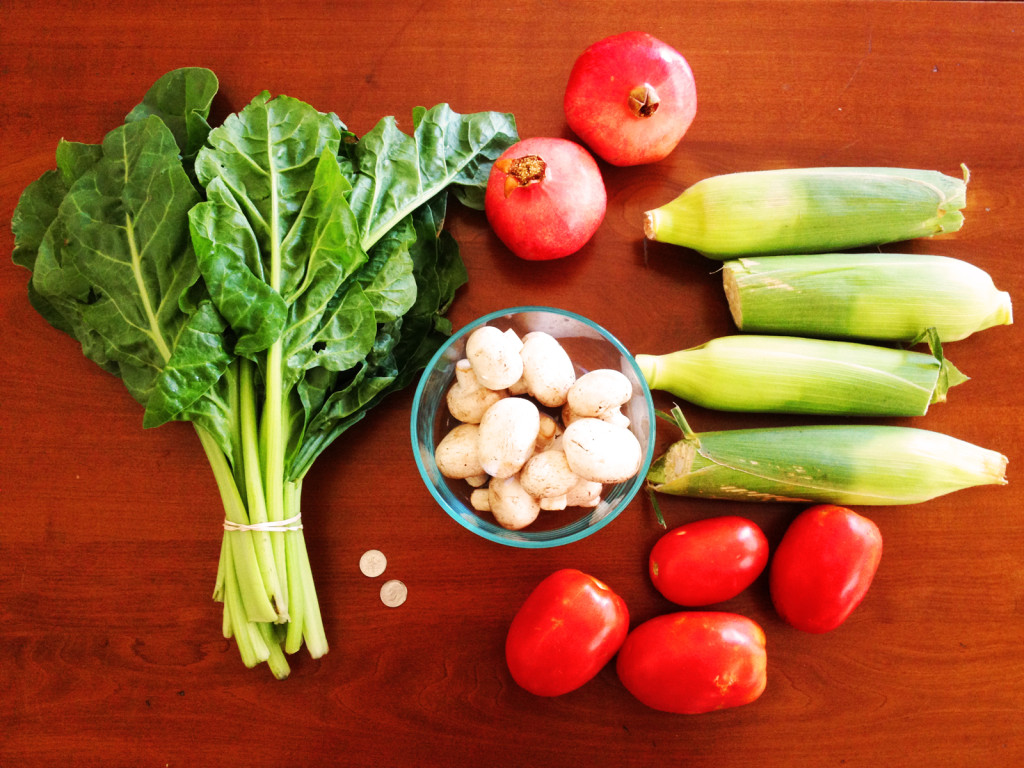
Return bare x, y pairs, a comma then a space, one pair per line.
273, 526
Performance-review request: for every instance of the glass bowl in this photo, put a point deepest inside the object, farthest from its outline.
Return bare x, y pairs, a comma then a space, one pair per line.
590, 347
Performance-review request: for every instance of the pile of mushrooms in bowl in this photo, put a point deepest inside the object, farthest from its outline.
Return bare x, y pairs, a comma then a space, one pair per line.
533, 427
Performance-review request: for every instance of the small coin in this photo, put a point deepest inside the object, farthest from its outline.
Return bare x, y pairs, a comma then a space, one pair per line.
373, 563
393, 593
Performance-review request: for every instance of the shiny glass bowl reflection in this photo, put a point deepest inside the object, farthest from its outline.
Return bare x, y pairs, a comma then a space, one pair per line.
590, 347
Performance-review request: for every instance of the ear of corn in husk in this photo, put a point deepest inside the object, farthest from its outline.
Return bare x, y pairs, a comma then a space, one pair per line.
809, 210
787, 374
882, 296
837, 464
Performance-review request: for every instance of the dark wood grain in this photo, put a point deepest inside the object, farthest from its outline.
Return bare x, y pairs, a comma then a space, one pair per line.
110, 645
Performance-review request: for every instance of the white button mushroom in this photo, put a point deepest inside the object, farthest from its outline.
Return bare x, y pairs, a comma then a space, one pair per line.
602, 452
519, 388
468, 399
513, 340
586, 493
547, 370
549, 432
513, 508
480, 499
494, 355
458, 455
568, 415
508, 435
553, 503
547, 475
600, 394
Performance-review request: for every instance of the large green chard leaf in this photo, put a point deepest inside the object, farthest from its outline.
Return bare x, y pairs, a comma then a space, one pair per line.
276, 225
36, 230
232, 266
58, 290
182, 99
115, 261
399, 173
267, 156
37, 208
31, 223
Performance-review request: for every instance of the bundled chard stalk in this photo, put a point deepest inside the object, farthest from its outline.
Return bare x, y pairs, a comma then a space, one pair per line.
846, 464
808, 210
270, 280
789, 374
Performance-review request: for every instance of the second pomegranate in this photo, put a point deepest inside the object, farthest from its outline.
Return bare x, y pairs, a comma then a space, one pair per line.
545, 198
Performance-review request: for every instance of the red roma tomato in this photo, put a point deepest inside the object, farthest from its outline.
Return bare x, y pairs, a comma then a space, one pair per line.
823, 567
630, 98
545, 198
708, 561
570, 626
694, 661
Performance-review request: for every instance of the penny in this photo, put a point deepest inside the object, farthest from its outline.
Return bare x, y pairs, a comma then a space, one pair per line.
373, 563
393, 593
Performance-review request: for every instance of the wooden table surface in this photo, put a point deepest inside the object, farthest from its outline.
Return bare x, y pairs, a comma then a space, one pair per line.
110, 644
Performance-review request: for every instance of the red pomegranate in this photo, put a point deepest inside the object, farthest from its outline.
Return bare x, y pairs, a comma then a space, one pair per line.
630, 98
545, 198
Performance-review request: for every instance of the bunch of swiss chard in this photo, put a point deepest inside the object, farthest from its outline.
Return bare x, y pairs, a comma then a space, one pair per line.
270, 280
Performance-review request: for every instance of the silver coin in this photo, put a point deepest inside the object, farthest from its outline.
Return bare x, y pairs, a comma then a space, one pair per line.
393, 593
373, 563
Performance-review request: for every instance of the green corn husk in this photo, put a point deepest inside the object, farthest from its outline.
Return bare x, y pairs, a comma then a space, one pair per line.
841, 464
788, 374
809, 210
883, 296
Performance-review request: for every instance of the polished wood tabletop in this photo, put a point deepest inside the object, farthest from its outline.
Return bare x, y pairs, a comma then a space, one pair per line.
111, 652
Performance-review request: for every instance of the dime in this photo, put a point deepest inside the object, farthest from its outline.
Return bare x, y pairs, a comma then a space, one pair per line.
393, 593
372, 563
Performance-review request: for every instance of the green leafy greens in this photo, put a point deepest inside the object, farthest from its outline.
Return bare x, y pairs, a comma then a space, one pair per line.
270, 280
